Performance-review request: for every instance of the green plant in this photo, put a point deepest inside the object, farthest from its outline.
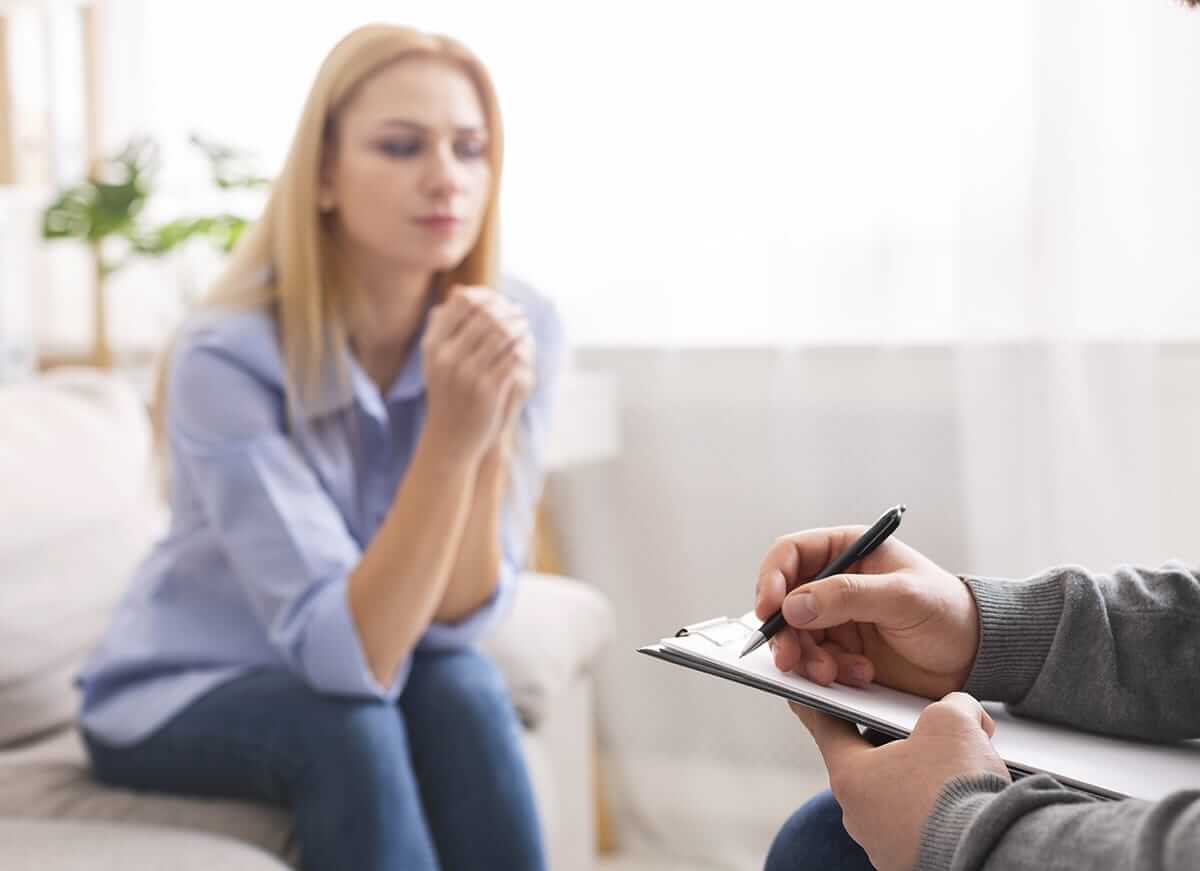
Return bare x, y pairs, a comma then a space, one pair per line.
109, 205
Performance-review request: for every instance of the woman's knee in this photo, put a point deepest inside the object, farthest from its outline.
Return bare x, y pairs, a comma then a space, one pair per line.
353, 732
457, 685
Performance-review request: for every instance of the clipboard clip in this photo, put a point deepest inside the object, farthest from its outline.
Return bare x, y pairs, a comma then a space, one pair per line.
719, 631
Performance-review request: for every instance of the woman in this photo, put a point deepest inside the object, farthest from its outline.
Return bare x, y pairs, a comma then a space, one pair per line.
353, 431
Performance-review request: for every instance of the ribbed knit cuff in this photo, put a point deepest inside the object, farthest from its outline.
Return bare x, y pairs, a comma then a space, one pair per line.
1017, 624
958, 804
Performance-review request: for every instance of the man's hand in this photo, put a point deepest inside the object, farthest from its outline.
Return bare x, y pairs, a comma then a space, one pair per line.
888, 792
902, 620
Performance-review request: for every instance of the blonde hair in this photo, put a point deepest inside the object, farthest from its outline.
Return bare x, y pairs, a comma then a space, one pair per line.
290, 259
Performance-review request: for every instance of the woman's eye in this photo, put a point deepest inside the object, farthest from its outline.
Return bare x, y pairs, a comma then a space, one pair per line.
470, 149
400, 148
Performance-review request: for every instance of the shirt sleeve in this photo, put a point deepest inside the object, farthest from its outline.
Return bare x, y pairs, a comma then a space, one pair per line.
284, 537
524, 489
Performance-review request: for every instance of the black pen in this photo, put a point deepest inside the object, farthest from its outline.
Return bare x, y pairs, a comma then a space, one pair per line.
866, 543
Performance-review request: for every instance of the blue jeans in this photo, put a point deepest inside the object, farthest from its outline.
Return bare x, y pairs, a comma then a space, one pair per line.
814, 838
436, 781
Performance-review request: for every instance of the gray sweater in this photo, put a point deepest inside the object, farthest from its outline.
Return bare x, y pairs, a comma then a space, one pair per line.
1118, 654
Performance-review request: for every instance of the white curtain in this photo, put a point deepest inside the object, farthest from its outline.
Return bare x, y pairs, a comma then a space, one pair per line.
837, 255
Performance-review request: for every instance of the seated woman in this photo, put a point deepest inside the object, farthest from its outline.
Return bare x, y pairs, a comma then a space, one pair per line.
353, 427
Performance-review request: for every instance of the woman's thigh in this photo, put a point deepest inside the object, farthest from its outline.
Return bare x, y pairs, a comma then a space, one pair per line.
341, 765
257, 737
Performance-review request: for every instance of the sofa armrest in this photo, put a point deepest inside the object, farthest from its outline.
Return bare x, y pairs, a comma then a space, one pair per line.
555, 630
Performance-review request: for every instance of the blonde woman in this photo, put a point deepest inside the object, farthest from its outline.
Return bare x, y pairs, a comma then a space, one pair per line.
353, 430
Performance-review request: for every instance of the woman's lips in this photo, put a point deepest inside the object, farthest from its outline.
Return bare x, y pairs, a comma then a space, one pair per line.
445, 225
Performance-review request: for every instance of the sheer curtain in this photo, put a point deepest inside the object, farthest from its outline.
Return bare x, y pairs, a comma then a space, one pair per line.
1069, 362
837, 256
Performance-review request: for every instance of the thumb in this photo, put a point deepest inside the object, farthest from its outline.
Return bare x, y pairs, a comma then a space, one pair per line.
891, 600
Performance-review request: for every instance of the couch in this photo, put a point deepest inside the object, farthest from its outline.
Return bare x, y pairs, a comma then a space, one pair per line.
78, 509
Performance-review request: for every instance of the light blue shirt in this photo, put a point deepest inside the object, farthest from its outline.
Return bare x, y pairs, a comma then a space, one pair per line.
268, 521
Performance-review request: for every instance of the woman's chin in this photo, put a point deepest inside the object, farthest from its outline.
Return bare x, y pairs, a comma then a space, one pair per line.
436, 258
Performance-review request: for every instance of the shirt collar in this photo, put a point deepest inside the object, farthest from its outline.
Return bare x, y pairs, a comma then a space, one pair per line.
345, 382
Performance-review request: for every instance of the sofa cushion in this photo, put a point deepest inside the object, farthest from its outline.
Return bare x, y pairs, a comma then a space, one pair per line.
555, 631
78, 510
62, 846
50, 780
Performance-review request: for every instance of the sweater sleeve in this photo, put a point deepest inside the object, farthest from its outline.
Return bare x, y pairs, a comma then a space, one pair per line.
1117, 654
982, 823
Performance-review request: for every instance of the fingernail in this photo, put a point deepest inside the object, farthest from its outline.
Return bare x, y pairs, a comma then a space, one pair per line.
799, 608
811, 670
860, 673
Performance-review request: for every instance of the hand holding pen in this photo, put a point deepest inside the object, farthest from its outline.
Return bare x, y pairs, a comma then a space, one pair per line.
862, 547
900, 619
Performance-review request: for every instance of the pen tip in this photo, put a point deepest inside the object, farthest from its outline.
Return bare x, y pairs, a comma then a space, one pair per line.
901, 507
752, 643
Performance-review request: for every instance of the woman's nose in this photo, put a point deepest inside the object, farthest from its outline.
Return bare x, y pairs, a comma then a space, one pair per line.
446, 173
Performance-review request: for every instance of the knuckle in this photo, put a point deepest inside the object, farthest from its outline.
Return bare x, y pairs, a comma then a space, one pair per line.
778, 551
947, 711
844, 588
963, 705
939, 710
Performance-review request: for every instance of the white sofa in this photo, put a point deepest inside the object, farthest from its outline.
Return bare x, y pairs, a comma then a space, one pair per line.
77, 511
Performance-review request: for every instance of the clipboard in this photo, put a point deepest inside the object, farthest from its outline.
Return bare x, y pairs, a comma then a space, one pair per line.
1100, 765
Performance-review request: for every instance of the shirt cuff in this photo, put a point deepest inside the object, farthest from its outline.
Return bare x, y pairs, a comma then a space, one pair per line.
1017, 624
958, 805
467, 631
331, 654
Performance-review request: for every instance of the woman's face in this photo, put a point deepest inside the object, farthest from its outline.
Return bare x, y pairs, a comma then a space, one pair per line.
408, 177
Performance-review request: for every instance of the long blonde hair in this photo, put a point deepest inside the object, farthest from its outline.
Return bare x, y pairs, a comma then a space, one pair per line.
289, 258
